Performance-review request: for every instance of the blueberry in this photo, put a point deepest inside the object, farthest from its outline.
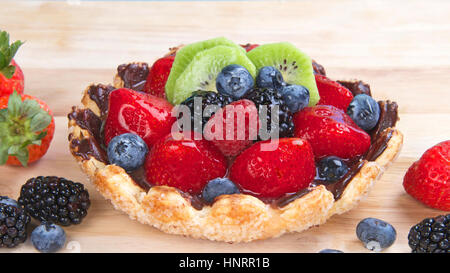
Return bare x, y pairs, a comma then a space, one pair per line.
327, 250
127, 151
218, 186
270, 77
376, 234
8, 201
48, 237
296, 97
331, 168
235, 81
364, 111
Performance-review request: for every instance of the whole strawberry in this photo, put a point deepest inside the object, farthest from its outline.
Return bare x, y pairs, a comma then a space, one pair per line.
139, 113
333, 93
428, 179
271, 169
26, 129
157, 77
180, 161
233, 128
11, 76
331, 132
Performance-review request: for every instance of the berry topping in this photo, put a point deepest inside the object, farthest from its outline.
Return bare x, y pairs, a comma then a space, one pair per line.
234, 80
13, 225
157, 77
54, 199
364, 111
142, 114
274, 167
432, 235
198, 111
327, 250
127, 151
217, 187
269, 102
333, 93
181, 161
8, 201
427, 180
296, 97
26, 129
376, 234
11, 76
270, 77
48, 237
233, 128
331, 169
331, 132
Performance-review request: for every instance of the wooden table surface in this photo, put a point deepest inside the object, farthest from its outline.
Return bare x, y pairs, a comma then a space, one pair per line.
402, 48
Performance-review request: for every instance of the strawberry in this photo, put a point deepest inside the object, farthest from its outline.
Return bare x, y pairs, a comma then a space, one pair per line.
428, 179
181, 161
332, 93
11, 76
233, 128
26, 129
331, 132
145, 115
271, 169
249, 46
157, 77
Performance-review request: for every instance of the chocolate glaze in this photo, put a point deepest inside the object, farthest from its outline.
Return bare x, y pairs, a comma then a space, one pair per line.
99, 93
133, 75
318, 68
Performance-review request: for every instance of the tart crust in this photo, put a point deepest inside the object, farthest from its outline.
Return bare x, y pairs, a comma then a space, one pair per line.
231, 218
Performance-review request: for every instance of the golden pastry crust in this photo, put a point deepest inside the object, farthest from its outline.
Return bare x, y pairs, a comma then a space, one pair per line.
231, 218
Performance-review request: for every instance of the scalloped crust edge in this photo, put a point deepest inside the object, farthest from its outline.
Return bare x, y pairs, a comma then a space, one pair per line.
231, 218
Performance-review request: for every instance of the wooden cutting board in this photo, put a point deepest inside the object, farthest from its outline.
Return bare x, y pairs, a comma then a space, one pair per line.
402, 53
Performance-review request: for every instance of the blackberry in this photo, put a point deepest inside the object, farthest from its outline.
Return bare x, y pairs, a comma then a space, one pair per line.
432, 235
207, 98
13, 225
55, 200
270, 97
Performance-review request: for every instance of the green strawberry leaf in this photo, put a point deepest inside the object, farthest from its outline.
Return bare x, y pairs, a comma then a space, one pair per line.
29, 108
14, 104
7, 53
40, 121
20, 153
3, 155
8, 71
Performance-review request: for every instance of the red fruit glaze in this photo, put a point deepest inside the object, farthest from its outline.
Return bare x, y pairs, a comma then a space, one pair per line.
157, 77
331, 132
428, 179
288, 168
333, 93
233, 128
7, 86
179, 161
249, 46
130, 111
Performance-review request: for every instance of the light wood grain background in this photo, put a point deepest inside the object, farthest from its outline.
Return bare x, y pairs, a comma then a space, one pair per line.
402, 48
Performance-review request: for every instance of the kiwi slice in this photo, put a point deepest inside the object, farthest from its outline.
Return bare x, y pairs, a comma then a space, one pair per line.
295, 66
202, 71
186, 54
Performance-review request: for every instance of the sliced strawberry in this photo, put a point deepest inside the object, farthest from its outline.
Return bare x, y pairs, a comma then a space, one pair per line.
249, 46
331, 132
180, 161
428, 179
130, 111
271, 169
333, 93
233, 128
157, 77
11, 76
26, 129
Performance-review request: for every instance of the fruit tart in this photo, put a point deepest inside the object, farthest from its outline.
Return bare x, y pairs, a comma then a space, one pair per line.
231, 142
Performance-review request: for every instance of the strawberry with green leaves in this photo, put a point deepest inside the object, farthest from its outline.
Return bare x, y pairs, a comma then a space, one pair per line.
11, 76
26, 129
